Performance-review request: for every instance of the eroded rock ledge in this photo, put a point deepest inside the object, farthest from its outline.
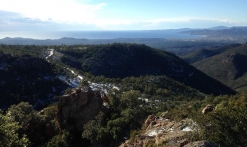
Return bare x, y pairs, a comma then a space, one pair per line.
77, 108
163, 131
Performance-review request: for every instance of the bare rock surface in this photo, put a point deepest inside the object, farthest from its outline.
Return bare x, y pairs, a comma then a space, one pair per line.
78, 107
202, 143
161, 130
207, 109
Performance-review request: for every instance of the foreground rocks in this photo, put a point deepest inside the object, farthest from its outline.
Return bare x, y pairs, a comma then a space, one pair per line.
160, 131
78, 107
203, 143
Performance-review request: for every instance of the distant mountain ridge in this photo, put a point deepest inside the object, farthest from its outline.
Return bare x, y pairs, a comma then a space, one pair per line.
223, 32
219, 28
217, 31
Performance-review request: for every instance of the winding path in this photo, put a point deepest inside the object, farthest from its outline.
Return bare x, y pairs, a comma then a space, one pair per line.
51, 53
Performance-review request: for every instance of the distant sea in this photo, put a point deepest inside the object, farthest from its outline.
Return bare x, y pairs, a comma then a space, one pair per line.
169, 34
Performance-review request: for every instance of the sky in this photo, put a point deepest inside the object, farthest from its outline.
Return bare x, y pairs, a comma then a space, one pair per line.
81, 15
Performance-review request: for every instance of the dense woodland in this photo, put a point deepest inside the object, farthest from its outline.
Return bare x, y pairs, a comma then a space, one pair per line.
22, 125
126, 60
225, 64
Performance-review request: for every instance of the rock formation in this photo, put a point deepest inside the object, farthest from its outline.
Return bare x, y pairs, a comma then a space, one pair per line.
202, 143
159, 129
78, 107
207, 109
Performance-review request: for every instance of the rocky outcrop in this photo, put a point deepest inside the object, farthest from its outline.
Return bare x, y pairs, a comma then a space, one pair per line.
150, 119
159, 129
78, 107
207, 109
203, 143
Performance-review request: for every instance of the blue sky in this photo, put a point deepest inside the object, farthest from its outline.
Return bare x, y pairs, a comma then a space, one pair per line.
73, 15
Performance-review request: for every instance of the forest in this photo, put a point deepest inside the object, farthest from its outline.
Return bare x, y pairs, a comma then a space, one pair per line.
28, 76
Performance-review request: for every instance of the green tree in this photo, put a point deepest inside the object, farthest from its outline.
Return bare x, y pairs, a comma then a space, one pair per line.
23, 113
9, 133
60, 140
130, 98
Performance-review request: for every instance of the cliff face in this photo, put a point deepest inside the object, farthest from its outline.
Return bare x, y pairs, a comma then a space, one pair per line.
77, 108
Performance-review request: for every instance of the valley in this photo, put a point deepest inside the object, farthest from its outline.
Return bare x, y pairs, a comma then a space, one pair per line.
223, 63
124, 73
121, 94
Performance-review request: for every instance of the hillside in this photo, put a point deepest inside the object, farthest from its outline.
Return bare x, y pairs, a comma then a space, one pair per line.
125, 60
205, 53
115, 112
27, 78
227, 66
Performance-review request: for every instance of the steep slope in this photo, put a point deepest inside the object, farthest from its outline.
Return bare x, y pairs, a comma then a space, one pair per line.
27, 78
205, 53
125, 60
228, 67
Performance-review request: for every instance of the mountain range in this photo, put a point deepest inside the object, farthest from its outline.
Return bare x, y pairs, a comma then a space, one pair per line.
220, 32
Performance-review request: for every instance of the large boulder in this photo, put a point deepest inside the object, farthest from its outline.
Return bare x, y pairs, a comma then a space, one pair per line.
207, 109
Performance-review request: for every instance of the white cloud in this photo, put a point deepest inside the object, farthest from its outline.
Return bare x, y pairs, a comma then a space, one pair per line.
77, 15
68, 11
184, 19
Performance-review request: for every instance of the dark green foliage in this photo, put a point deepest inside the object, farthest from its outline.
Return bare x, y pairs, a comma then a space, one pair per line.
10, 135
227, 66
126, 60
205, 53
19, 50
23, 126
227, 125
24, 113
128, 107
125, 115
60, 140
26, 78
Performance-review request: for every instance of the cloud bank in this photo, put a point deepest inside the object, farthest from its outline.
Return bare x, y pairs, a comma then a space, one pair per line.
57, 15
